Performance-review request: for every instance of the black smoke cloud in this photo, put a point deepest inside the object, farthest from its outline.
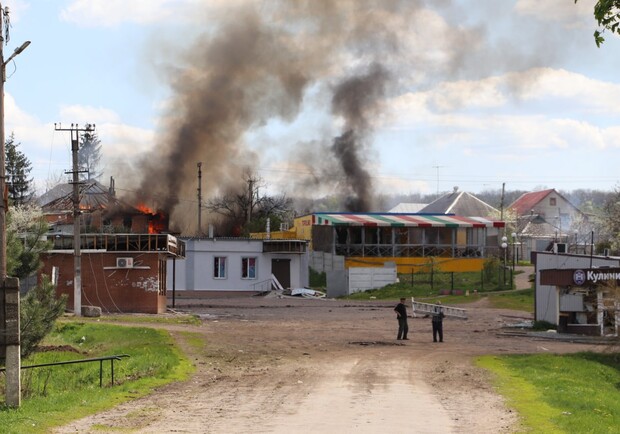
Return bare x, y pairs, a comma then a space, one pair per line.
255, 66
357, 100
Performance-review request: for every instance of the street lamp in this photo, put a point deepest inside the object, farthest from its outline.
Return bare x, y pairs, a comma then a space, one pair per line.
514, 259
504, 247
514, 250
3, 63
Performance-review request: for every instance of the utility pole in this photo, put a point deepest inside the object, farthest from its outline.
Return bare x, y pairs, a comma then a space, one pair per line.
437, 167
77, 255
501, 202
10, 338
251, 182
199, 199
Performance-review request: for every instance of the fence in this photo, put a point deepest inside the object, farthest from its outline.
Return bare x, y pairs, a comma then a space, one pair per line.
489, 279
96, 359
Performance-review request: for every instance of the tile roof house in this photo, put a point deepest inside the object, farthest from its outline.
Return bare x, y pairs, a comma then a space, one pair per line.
542, 218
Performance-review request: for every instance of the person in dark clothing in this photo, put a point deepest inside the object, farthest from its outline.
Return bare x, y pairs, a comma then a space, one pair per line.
437, 320
401, 315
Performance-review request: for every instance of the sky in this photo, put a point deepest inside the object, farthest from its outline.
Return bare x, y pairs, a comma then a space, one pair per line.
479, 93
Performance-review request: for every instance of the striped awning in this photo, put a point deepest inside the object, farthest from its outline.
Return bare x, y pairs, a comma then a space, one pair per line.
404, 220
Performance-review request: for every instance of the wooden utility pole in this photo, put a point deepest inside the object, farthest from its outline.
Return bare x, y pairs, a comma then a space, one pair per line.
199, 199
251, 182
77, 255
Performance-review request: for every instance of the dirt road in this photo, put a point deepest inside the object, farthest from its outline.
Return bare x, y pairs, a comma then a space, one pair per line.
276, 365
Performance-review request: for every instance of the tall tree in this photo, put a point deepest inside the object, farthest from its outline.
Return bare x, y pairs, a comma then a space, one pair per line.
607, 14
246, 211
18, 167
89, 154
609, 225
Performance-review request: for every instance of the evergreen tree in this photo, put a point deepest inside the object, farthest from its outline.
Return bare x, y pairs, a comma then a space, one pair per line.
18, 167
89, 153
39, 311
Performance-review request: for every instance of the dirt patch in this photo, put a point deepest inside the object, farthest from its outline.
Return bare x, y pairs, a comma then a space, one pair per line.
271, 365
57, 348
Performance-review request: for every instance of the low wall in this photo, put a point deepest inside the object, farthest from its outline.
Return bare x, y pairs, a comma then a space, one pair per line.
358, 279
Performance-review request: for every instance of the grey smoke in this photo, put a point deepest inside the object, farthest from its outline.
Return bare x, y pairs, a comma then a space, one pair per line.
256, 62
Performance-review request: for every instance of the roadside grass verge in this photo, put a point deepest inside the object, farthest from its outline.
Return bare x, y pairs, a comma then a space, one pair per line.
53, 396
574, 393
145, 318
515, 300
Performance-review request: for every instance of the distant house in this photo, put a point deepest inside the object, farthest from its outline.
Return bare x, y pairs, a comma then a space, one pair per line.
544, 218
461, 203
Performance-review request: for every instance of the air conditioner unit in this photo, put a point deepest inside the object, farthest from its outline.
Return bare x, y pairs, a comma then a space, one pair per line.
124, 262
559, 248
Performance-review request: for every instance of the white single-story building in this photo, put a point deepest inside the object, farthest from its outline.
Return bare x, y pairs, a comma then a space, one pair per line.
239, 265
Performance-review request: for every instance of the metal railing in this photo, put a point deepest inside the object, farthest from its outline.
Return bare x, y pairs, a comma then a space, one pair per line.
95, 359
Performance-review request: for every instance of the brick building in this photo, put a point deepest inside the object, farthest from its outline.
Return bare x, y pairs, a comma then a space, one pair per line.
120, 273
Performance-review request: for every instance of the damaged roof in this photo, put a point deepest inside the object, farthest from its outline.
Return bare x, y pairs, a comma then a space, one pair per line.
93, 196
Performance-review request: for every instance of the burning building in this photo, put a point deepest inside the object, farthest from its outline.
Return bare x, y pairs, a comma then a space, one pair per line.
101, 212
123, 251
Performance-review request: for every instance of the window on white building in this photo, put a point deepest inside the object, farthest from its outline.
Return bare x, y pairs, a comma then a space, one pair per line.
219, 267
248, 268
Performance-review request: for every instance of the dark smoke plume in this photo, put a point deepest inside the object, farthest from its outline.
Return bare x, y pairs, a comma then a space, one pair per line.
255, 65
357, 100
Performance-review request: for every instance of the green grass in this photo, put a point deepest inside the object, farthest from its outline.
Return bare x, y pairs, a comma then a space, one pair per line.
419, 286
517, 300
576, 393
53, 396
146, 318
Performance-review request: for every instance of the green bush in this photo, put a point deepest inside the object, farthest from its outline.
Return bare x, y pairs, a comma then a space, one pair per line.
543, 325
317, 279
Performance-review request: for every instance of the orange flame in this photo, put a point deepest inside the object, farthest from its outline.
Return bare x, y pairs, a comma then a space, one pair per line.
157, 220
145, 209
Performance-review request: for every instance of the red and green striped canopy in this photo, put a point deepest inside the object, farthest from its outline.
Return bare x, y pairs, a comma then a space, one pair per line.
404, 220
